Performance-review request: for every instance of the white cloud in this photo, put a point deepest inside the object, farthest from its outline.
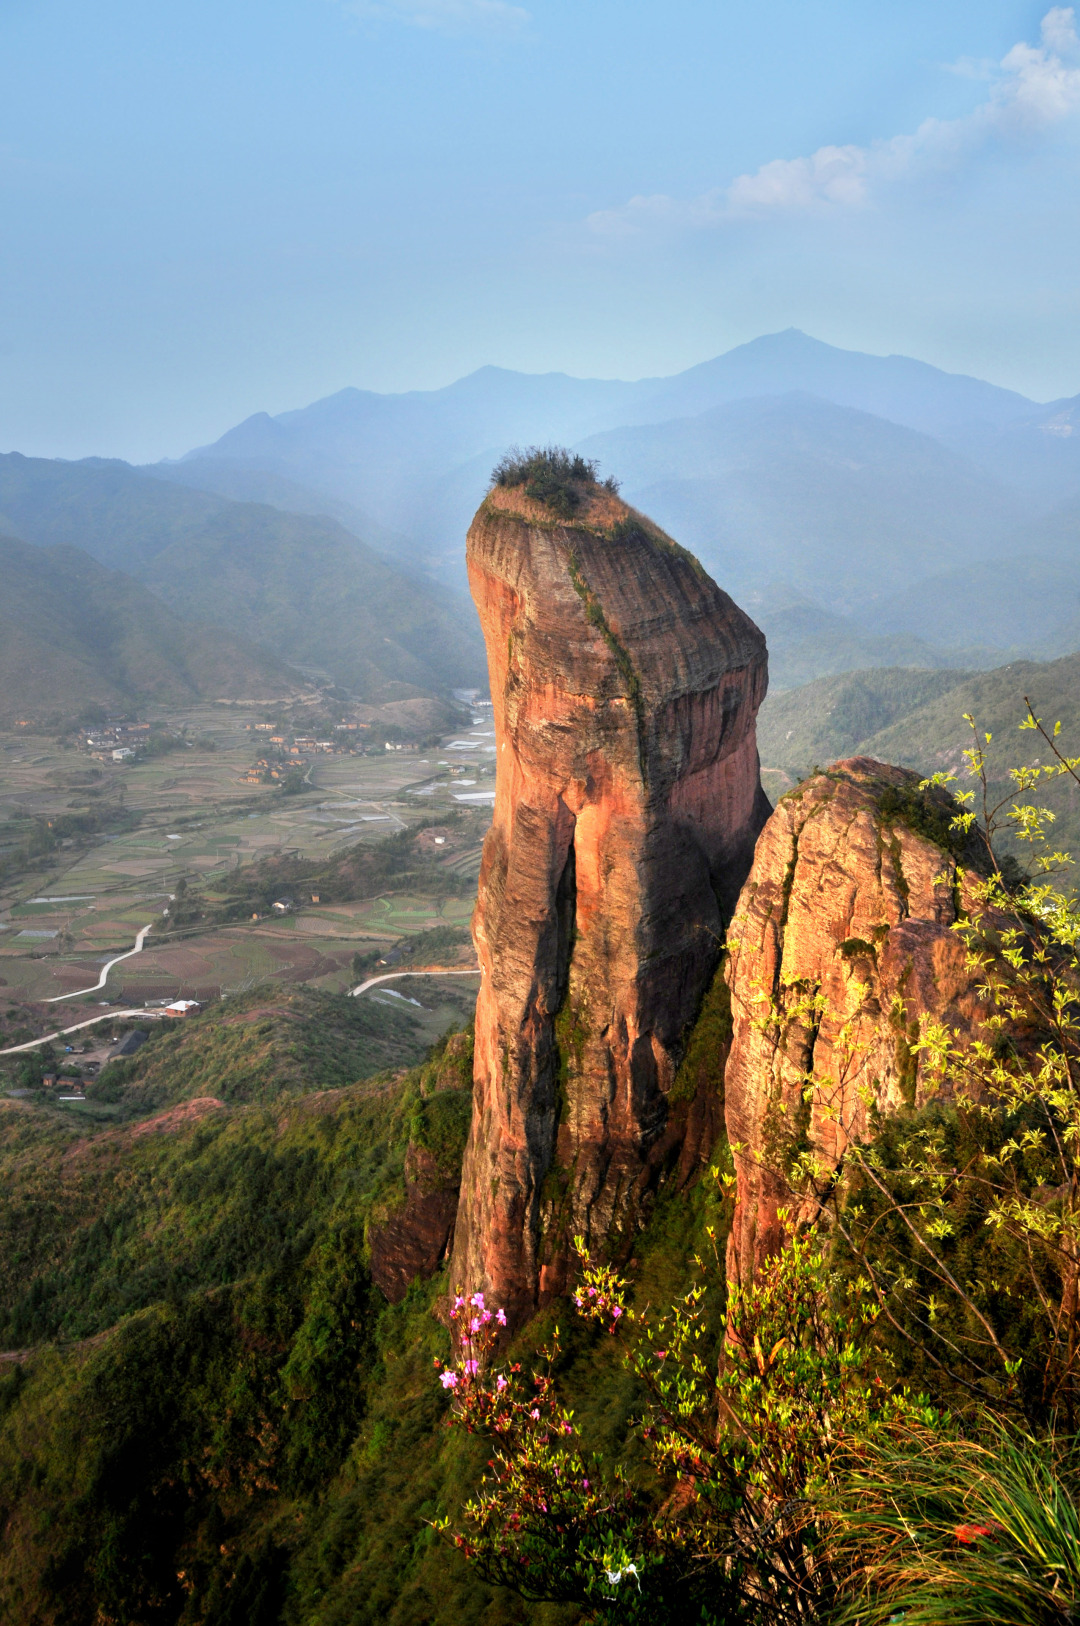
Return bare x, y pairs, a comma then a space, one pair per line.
446, 16
1033, 88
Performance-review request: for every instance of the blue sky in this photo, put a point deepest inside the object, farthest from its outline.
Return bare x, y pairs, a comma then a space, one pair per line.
214, 209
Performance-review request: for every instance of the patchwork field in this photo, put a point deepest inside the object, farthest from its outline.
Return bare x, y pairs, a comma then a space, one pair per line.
187, 821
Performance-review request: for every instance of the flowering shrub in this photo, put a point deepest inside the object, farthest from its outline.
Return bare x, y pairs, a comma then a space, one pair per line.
740, 1441
549, 1520
964, 1218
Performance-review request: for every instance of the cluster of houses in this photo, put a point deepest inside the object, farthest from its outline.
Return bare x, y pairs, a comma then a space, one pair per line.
290, 752
125, 1045
270, 770
117, 743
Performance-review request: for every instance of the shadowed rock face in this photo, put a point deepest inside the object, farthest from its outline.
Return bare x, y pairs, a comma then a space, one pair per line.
625, 686
840, 949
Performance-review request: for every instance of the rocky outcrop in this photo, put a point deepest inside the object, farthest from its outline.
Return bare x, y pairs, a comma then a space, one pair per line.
412, 1241
840, 950
410, 1234
625, 687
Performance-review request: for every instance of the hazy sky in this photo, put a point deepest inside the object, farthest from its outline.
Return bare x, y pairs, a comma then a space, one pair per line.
211, 209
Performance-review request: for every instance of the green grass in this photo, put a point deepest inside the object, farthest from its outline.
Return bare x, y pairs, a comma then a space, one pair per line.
958, 1533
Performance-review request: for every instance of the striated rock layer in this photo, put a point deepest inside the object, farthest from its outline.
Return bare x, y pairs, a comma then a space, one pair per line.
840, 949
625, 687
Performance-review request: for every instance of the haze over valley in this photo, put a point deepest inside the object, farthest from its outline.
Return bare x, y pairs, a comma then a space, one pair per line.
539, 813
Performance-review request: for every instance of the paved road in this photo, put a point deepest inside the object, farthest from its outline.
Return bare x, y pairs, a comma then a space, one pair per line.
62, 1033
438, 971
140, 938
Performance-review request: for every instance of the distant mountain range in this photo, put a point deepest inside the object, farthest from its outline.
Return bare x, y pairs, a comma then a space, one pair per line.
867, 510
300, 586
838, 495
73, 634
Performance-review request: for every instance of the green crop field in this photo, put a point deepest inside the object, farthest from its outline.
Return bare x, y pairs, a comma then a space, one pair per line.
187, 821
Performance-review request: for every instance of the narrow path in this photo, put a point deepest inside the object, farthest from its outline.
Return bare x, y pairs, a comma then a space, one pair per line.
62, 1033
391, 976
140, 938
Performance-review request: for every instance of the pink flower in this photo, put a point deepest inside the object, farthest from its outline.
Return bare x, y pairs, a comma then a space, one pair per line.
592, 1292
500, 1383
471, 1368
661, 1354
458, 1302
474, 1324
486, 1317
585, 1484
500, 1316
616, 1312
448, 1380
478, 1300
534, 1413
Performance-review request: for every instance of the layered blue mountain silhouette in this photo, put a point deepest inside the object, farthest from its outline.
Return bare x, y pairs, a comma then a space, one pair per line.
869, 510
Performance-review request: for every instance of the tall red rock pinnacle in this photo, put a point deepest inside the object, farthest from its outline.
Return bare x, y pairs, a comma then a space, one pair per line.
840, 949
625, 688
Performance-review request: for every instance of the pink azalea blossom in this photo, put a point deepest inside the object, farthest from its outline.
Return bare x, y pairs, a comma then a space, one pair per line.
471, 1368
616, 1312
585, 1483
500, 1383
535, 1413
474, 1324
478, 1300
500, 1316
448, 1380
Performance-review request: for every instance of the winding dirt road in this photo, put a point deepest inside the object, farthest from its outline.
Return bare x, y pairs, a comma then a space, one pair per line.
140, 938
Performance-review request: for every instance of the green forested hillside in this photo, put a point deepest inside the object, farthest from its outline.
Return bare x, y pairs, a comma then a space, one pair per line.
258, 1046
209, 1414
73, 633
300, 585
916, 719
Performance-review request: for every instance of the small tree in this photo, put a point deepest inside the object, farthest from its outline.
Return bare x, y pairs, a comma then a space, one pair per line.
964, 1219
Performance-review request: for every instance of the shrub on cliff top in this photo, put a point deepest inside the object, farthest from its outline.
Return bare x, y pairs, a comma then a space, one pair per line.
549, 474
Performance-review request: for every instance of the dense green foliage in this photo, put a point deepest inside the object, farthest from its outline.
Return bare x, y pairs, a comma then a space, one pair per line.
222, 1421
551, 475
259, 1045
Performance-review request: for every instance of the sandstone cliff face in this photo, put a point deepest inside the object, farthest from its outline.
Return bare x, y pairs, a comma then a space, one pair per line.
625, 687
410, 1235
412, 1242
839, 950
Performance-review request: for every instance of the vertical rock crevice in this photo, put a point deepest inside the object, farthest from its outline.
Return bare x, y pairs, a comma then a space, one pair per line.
625, 687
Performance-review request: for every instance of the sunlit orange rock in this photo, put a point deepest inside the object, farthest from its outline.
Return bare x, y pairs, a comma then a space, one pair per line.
841, 949
625, 688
